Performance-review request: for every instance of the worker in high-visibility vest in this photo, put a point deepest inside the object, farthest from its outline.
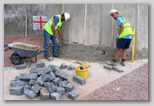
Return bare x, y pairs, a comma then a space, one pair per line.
123, 39
54, 24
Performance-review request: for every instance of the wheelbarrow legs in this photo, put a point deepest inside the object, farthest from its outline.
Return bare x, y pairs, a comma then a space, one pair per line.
28, 64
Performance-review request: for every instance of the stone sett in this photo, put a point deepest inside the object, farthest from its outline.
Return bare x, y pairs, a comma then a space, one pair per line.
17, 77
63, 66
56, 80
33, 69
72, 95
115, 68
69, 87
64, 83
22, 66
46, 77
47, 83
27, 87
55, 96
50, 58
51, 66
25, 76
23, 82
44, 94
62, 74
60, 83
14, 83
51, 88
39, 81
40, 64
70, 67
52, 75
46, 70
60, 90
30, 94
16, 90
108, 67
39, 71
32, 82
55, 69
79, 79
36, 88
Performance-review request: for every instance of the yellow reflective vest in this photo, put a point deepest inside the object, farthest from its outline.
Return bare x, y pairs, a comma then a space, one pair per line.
48, 28
127, 29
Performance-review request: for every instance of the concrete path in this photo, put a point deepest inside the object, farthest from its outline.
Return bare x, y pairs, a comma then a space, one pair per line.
98, 76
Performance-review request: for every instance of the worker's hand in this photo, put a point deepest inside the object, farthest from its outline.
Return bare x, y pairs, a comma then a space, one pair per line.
62, 38
54, 36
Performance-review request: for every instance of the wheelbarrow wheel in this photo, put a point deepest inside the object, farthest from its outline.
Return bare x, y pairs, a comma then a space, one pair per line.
15, 59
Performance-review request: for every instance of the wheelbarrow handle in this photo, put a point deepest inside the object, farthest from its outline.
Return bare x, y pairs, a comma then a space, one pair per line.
40, 51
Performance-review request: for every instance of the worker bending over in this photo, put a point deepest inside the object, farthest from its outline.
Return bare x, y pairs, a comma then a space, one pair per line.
53, 24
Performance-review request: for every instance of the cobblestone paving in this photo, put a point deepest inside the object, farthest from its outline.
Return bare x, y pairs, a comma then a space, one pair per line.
133, 86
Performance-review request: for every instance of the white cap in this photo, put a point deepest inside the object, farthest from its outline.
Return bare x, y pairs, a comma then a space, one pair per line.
67, 16
113, 11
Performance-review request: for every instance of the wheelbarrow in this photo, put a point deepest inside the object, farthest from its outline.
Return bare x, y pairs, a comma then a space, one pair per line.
24, 53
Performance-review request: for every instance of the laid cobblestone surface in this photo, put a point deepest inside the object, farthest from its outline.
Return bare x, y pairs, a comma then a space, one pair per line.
82, 52
133, 86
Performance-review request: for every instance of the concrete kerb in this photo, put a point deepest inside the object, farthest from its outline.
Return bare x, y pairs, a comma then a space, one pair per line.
96, 78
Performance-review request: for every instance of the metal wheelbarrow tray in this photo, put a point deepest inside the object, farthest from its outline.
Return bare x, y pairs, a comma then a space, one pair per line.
22, 52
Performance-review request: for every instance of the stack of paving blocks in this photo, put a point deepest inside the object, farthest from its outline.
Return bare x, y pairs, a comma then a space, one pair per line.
49, 82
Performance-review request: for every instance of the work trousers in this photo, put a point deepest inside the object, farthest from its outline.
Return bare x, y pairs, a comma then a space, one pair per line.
47, 38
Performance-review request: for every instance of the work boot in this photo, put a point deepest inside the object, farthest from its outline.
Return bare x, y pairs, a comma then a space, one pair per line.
55, 56
46, 57
112, 63
123, 62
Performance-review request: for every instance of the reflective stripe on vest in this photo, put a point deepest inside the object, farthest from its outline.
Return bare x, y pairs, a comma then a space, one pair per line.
48, 28
127, 29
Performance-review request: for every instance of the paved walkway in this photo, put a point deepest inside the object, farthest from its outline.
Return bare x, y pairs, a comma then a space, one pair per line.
98, 77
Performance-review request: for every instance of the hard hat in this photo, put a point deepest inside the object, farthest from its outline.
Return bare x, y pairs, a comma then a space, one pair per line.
113, 11
67, 16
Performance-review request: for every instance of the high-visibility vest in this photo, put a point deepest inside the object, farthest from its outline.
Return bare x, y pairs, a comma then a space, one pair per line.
127, 29
48, 28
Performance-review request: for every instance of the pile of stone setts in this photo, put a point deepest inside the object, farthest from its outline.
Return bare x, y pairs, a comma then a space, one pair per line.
49, 82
